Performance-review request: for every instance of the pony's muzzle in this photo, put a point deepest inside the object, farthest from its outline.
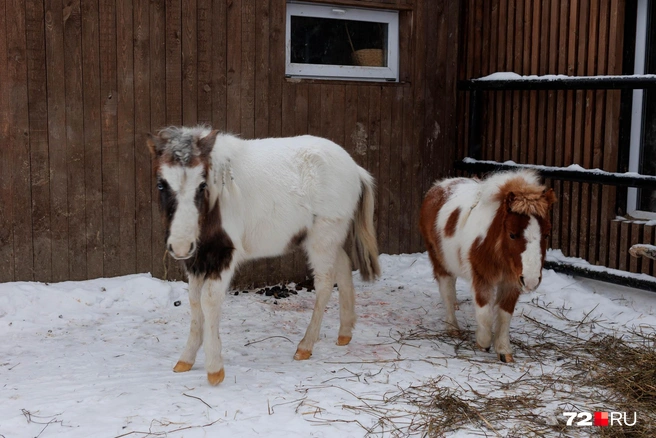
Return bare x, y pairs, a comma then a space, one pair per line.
529, 285
181, 255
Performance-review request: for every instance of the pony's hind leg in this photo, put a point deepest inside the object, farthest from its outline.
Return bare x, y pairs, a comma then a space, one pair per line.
195, 338
445, 281
322, 245
344, 277
447, 285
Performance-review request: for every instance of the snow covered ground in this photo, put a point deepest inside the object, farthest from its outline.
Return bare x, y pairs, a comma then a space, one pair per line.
95, 358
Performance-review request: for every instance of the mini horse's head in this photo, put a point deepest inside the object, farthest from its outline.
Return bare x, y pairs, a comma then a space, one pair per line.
181, 161
525, 231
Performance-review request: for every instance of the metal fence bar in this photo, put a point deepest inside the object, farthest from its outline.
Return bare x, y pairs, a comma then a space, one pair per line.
560, 83
592, 177
608, 277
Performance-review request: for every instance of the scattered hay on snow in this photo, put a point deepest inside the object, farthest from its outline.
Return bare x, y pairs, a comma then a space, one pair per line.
610, 371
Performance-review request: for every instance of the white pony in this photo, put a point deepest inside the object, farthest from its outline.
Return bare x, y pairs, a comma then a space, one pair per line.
226, 200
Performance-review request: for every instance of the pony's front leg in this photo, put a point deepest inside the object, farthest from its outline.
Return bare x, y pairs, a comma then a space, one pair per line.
484, 314
505, 306
195, 338
212, 296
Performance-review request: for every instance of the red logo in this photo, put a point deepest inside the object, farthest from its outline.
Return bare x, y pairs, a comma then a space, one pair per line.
601, 418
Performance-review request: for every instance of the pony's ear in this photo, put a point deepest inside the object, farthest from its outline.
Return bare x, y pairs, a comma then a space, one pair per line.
510, 199
206, 144
154, 143
550, 196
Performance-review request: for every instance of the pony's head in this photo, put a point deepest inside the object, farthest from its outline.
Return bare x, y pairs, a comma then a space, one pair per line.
524, 211
181, 160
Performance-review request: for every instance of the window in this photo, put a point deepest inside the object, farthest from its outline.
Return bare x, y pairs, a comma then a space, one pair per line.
334, 42
642, 158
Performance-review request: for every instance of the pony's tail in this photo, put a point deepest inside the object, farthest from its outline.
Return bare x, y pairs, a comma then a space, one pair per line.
364, 247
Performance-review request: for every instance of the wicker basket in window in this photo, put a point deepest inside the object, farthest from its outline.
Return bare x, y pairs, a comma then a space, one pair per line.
368, 57
365, 57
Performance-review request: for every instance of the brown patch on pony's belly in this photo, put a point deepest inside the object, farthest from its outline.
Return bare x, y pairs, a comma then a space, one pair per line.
297, 240
433, 202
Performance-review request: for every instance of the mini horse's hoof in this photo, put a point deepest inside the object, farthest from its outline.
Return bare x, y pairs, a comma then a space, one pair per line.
506, 358
343, 340
453, 332
182, 367
485, 349
216, 378
302, 354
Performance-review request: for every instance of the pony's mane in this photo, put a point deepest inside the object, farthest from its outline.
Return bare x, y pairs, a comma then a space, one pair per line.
182, 142
528, 193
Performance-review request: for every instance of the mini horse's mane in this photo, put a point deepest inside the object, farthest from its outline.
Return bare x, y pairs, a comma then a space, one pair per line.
182, 143
522, 191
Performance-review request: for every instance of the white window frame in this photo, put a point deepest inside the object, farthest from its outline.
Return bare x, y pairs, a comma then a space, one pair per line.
636, 113
322, 71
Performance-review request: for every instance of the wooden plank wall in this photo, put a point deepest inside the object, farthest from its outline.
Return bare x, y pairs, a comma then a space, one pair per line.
86, 79
555, 128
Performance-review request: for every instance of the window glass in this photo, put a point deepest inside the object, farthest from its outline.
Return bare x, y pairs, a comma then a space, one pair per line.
338, 42
332, 42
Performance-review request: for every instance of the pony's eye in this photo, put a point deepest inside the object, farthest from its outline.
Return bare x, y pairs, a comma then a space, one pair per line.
160, 186
513, 236
202, 186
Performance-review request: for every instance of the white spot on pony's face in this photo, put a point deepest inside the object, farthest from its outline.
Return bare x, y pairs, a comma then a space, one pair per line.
184, 229
532, 256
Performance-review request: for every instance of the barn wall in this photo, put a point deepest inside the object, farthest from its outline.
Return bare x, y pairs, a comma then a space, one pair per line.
84, 80
555, 128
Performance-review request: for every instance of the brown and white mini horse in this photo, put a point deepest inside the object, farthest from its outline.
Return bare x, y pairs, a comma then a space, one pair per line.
226, 200
492, 232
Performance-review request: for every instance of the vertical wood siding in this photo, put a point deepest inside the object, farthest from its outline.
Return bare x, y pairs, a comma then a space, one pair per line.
86, 79
559, 128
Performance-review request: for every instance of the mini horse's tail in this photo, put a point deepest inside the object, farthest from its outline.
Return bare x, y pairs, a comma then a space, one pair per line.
364, 247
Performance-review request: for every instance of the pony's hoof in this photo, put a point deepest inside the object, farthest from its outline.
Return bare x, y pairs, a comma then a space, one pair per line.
216, 378
506, 358
484, 349
182, 367
454, 332
302, 354
343, 340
